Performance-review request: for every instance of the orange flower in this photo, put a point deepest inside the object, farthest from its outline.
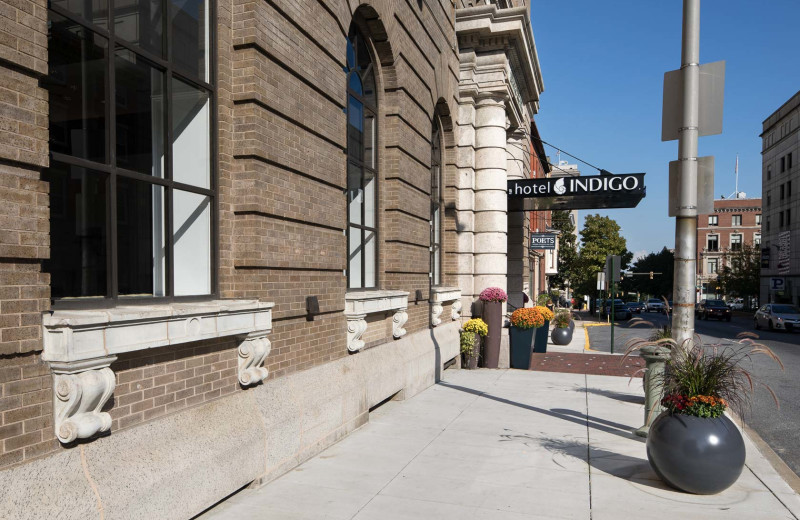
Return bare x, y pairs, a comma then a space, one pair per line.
527, 318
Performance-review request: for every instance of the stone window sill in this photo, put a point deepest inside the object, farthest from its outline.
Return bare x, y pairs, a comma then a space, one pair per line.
440, 295
80, 346
361, 303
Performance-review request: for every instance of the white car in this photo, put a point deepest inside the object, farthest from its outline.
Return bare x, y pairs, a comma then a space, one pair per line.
654, 305
736, 305
778, 316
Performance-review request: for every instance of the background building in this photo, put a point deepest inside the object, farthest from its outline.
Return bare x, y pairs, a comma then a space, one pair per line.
229, 229
735, 222
780, 152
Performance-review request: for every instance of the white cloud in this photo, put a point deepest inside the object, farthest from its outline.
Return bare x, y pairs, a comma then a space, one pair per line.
638, 255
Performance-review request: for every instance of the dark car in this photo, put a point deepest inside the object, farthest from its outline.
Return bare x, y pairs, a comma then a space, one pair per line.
636, 307
717, 309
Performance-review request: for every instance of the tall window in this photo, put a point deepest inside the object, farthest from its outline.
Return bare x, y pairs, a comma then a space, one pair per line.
736, 220
362, 163
436, 203
713, 266
132, 185
712, 242
758, 219
713, 220
757, 239
736, 242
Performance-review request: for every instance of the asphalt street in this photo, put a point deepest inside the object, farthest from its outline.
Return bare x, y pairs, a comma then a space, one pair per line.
779, 425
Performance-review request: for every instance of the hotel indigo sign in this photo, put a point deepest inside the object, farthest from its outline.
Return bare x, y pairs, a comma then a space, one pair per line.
583, 192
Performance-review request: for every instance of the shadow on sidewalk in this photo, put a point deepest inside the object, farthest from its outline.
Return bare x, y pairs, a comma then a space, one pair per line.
572, 416
608, 462
626, 398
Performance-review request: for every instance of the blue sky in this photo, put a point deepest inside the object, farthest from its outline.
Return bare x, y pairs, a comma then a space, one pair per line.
603, 66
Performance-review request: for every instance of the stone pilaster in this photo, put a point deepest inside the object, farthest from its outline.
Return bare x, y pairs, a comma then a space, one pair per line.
491, 201
518, 167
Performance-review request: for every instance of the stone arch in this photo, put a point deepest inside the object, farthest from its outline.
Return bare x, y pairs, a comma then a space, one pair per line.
367, 18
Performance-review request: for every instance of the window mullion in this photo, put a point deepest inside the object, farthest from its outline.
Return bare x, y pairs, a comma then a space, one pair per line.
170, 192
111, 121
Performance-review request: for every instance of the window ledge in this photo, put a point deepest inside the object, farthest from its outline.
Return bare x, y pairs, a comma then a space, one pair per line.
80, 346
440, 295
75, 335
361, 303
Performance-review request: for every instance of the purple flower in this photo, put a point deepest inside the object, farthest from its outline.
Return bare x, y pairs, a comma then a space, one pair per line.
493, 294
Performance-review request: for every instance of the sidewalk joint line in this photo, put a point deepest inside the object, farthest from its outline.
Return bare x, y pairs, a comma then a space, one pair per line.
588, 441
771, 491
421, 450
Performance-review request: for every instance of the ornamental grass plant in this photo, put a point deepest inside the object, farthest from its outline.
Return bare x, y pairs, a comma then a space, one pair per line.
562, 319
704, 380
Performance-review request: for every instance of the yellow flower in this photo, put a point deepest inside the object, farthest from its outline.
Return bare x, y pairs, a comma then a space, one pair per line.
476, 325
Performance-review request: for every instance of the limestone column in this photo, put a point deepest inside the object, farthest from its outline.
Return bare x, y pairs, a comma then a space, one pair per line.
465, 203
491, 200
518, 167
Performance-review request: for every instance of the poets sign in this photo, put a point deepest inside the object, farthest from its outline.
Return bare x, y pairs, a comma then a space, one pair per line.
582, 192
543, 240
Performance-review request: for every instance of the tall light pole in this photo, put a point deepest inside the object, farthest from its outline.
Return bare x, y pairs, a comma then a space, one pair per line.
686, 218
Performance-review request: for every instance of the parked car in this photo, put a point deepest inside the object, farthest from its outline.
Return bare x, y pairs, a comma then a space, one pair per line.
736, 305
636, 307
712, 309
654, 305
777, 316
621, 311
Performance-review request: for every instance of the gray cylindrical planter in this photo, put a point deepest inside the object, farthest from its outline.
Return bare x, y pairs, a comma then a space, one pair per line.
561, 336
694, 454
493, 316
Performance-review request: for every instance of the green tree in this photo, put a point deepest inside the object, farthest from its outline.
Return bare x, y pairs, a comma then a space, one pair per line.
600, 237
741, 273
567, 249
661, 285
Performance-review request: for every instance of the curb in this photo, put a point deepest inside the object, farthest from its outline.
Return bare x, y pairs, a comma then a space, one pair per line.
777, 463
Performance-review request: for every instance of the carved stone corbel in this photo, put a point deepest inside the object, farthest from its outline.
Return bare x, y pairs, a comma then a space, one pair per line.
455, 312
81, 390
253, 350
398, 320
356, 326
436, 311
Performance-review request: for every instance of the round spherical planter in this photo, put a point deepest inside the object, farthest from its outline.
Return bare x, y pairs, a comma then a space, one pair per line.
561, 336
694, 454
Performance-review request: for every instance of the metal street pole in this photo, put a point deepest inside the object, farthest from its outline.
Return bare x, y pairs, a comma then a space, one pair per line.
686, 219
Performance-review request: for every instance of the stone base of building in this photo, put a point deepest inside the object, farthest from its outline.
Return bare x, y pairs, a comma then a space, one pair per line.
179, 465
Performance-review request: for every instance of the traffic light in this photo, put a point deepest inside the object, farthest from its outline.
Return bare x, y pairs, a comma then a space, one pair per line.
651, 275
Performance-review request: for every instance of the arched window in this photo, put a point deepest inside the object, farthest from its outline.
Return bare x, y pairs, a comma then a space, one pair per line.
436, 204
362, 162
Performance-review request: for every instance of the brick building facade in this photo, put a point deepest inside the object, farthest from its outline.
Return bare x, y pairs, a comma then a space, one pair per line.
734, 224
230, 228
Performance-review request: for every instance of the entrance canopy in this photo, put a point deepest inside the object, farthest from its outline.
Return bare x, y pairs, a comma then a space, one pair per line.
580, 192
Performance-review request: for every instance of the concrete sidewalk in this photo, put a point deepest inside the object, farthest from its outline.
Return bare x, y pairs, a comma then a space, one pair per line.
504, 444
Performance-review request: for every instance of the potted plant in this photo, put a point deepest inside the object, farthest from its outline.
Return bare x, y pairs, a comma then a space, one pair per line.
562, 332
540, 342
692, 445
471, 334
493, 299
524, 322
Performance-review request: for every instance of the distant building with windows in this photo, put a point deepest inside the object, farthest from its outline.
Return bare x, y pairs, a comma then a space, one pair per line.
780, 153
734, 223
